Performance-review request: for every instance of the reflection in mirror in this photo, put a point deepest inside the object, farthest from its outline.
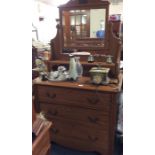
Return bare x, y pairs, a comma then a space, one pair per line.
79, 25
97, 16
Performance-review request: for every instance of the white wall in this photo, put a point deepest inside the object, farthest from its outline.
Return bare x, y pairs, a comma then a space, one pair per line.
47, 27
116, 9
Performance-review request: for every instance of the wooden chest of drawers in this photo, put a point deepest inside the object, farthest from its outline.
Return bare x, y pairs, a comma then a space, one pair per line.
83, 115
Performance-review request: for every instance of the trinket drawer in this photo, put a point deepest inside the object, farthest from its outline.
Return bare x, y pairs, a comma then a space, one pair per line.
84, 116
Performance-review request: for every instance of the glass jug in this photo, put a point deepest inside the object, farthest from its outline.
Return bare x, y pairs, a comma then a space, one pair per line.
73, 75
79, 67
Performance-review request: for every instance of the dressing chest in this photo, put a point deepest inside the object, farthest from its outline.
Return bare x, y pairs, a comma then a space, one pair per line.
84, 115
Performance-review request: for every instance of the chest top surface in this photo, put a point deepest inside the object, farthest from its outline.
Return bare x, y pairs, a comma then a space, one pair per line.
83, 84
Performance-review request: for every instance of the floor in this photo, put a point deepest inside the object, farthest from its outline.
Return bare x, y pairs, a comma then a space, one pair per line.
60, 150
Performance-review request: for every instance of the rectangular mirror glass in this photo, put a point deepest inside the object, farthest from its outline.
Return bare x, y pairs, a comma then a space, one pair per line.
83, 26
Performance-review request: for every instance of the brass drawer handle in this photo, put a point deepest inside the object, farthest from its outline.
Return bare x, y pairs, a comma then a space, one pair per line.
53, 113
93, 119
52, 96
93, 139
55, 131
93, 101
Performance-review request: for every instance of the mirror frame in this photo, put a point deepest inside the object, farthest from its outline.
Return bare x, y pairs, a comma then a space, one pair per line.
81, 5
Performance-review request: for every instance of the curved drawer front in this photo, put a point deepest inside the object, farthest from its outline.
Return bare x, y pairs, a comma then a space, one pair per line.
89, 116
76, 132
75, 97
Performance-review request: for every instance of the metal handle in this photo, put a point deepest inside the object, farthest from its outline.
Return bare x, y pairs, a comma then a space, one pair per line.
93, 139
54, 113
93, 101
54, 130
93, 119
52, 96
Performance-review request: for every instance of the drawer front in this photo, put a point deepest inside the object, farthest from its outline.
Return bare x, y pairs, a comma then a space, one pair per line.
81, 115
78, 134
75, 97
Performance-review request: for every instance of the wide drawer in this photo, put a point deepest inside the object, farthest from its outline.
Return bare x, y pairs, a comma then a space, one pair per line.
74, 97
81, 115
79, 134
